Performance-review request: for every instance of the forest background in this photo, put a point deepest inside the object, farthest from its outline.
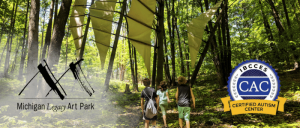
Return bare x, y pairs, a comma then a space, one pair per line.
267, 30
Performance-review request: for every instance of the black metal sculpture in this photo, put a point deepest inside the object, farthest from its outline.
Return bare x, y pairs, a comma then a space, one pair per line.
52, 81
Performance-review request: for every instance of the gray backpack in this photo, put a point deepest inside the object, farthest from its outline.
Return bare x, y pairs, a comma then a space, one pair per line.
150, 108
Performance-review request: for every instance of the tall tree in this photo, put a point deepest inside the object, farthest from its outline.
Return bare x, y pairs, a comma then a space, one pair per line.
293, 47
68, 35
214, 47
203, 53
33, 41
55, 12
287, 17
276, 17
3, 25
180, 48
132, 58
173, 44
43, 26
15, 58
58, 34
171, 37
113, 53
3, 52
24, 45
166, 61
187, 49
267, 26
154, 63
49, 29
131, 64
224, 41
228, 48
135, 68
11, 35
160, 41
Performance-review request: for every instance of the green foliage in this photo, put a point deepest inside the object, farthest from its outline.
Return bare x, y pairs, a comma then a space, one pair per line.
249, 39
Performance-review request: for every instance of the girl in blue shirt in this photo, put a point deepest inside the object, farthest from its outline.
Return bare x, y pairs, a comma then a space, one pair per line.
163, 98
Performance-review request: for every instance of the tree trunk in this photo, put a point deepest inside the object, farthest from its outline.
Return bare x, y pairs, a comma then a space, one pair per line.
112, 75
293, 47
3, 52
41, 59
279, 27
216, 59
296, 18
171, 36
276, 17
187, 58
131, 65
131, 58
203, 53
224, 42
287, 17
33, 42
3, 25
123, 73
173, 46
58, 34
269, 32
24, 46
7, 58
55, 12
8, 50
188, 50
160, 36
9, 35
221, 47
113, 53
228, 65
117, 73
127, 90
48, 33
15, 59
66, 66
166, 65
154, 63
180, 49
135, 69
267, 26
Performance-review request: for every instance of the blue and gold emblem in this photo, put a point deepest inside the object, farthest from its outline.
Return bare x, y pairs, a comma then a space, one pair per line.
253, 87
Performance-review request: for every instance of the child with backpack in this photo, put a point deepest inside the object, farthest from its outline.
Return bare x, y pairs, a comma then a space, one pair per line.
149, 109
183, 96
163, 100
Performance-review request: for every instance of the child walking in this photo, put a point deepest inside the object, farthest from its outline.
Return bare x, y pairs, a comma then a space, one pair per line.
147, 94
183, 96
163, 100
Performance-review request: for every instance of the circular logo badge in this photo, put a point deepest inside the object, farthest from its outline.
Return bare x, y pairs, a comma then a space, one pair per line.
253, 79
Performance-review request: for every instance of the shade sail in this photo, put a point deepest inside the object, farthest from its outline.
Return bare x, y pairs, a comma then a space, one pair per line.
76, 23
101, 13
140, 20
195, 31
